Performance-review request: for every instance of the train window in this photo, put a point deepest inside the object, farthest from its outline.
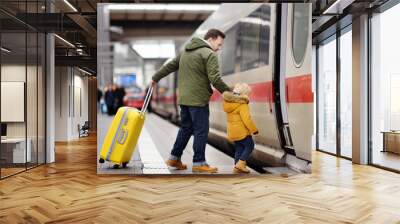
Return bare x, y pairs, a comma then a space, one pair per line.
228, 54
249, 38
265, 34
300, 32
254, 38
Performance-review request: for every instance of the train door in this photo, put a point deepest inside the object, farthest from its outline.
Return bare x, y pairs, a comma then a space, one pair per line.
288, 142
296, 84
279, 80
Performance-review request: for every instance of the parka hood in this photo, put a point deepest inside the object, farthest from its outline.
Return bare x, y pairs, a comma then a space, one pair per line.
233, 101
196, 43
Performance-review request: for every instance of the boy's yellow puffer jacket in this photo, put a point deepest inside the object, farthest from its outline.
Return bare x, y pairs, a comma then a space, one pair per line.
240, 124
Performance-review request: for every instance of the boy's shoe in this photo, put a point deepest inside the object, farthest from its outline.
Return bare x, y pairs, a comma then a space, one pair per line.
204, 169
236, 170
177, 164
240, 167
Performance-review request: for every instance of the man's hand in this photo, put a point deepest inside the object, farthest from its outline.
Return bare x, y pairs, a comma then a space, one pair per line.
153, 83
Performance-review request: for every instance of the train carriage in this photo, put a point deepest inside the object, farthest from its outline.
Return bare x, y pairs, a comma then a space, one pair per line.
267, 46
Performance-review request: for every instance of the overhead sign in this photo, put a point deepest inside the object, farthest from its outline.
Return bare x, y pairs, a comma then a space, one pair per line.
125, 80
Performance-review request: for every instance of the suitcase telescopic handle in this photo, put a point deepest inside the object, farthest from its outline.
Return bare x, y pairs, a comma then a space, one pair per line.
147, 99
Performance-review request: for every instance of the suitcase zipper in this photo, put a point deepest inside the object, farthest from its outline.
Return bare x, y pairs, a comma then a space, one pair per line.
124, 121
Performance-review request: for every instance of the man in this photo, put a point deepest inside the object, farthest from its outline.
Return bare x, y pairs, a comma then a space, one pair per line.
109, 99
197, 68
119, 97
99, 95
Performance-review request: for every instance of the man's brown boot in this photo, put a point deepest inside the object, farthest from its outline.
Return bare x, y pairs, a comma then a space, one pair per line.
177, 164
204, 169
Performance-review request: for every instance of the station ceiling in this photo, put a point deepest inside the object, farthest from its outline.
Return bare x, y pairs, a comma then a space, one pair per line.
146, 21
75, 21
330, 16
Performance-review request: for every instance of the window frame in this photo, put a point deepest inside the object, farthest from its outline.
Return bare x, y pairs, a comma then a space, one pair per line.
298, 64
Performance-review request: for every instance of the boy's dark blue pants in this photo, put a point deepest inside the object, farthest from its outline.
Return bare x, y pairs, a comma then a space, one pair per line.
243, 148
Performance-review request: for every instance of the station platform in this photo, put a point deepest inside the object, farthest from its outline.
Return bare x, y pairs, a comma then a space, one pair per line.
153, 149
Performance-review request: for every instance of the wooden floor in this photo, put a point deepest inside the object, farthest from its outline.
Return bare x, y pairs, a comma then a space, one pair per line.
5, 172
10, 171
69, 191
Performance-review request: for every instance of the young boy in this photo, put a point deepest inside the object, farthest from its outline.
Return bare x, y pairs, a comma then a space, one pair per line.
240, 125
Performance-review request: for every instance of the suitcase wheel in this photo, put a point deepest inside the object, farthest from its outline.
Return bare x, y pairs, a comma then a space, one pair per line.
116, 166
101, 160
124, 165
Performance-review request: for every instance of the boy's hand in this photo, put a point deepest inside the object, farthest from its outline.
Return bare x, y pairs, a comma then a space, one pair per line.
255, 133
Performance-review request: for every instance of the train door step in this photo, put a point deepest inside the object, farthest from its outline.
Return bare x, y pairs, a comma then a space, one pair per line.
280, 170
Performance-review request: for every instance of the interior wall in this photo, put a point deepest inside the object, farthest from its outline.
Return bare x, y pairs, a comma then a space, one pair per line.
61, 103
71, 102
80, 110
13, 73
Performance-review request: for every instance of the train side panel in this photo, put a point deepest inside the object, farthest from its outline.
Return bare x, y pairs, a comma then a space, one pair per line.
299, 95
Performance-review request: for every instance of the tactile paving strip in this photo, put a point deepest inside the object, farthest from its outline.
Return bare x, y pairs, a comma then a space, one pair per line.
152, 161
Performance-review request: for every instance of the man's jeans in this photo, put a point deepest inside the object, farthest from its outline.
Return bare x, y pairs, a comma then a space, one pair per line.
194, 121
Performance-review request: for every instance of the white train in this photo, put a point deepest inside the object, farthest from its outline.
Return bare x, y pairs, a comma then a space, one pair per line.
267, 46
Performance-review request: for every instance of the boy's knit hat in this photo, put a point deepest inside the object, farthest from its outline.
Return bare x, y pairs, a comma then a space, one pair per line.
242, 88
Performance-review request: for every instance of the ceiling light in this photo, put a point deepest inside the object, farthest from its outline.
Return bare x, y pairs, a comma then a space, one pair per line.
116, 29
164, 7
70, 5
65, 41
5, 50
154, 49
84, 71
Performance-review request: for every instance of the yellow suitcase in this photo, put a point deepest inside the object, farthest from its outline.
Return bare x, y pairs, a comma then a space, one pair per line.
123, 134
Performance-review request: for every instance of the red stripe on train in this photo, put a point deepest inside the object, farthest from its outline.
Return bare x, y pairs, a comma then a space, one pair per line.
216, 96
262, 92
298, 90
167, 99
